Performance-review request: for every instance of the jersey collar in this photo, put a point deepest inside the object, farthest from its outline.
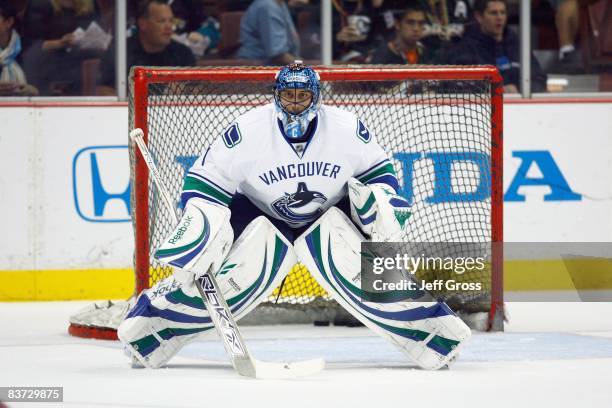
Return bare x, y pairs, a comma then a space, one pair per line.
306, 138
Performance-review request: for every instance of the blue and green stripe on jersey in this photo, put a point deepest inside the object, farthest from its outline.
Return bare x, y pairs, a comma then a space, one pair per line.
381, 172
199, 186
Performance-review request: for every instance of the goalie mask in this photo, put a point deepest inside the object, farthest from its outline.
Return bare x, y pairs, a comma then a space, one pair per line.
297, 96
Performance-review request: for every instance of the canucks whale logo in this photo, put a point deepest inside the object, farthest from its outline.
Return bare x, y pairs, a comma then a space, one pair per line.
299, 207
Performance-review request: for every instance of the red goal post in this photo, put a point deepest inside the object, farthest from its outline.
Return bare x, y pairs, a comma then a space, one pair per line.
168, 104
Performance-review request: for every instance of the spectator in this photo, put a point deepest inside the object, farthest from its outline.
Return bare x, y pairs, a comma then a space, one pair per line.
189, 14
152, 45
384, 16
566, 19
203, 41
51, 61
491, 42
198, 26
12, 79
267, 33
355, 41
406, 46
446, 24
447, 18
360, 26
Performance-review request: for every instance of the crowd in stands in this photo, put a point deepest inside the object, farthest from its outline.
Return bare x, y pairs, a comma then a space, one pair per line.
45, 44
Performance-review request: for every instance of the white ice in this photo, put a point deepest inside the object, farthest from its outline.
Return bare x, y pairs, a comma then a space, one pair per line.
551, 355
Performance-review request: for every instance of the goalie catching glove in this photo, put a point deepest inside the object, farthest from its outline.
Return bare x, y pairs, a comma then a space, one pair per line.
378, 210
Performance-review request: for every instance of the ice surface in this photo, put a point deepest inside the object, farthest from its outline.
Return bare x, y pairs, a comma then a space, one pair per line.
551, 356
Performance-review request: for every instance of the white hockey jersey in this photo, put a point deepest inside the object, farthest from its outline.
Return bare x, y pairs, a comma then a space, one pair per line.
252, 157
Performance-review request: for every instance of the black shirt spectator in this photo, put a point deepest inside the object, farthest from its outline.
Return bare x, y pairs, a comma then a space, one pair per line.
406, 47
152, 45
384, 15
51, 60
174, 54
389, 55
52, 20
490, 42
354, 41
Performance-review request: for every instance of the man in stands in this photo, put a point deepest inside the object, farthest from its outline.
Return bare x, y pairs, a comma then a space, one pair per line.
151, 46
491, 42
267, 33
406, 46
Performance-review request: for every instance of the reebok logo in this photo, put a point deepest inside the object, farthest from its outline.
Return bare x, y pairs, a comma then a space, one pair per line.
163, 290
181, 231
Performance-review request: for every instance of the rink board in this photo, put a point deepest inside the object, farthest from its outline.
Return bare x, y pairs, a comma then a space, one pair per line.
53, 227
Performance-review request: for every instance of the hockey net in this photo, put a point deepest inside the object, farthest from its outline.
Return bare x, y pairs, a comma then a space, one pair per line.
433, 122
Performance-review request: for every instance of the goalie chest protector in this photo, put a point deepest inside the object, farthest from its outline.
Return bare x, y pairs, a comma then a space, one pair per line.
252, 157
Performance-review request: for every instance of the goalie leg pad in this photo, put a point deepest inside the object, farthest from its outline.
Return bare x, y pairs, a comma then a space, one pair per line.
430, 334
164, 319
172, 313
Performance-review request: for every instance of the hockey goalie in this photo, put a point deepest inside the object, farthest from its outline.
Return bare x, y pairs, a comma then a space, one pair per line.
293, 180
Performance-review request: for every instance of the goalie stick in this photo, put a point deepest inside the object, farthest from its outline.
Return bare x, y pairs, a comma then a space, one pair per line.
217, 307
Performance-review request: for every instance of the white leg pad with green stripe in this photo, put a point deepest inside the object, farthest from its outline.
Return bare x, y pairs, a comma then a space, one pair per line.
172, 313
430, 334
